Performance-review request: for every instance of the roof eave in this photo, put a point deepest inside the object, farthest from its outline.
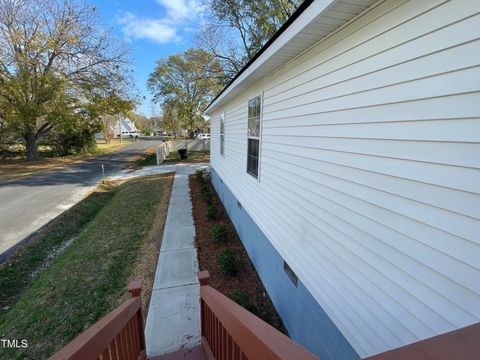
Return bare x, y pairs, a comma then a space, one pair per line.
309, 12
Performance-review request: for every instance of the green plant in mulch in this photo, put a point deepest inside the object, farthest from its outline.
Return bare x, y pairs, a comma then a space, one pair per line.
204, 188
207, 197
207, 176
242, 299
212, 212
199, 175
219, 233
227, 262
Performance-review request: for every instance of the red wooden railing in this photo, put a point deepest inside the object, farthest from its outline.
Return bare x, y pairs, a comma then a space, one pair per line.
461, 344
229, 332
118, 336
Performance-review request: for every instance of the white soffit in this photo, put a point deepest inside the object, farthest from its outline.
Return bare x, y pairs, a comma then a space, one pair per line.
318, 20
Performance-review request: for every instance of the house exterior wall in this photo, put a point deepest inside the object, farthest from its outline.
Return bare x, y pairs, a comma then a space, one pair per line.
305, 320
369, 183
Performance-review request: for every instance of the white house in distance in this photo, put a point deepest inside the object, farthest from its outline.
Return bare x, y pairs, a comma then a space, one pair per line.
127, 126
347, 153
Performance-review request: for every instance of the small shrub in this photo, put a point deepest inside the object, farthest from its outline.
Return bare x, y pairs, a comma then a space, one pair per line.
207, 197
199, 175
212, 212
219, 233
227, 262
242, 299
204, 188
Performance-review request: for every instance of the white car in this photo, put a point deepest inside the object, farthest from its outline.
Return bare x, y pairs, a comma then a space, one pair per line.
203, 136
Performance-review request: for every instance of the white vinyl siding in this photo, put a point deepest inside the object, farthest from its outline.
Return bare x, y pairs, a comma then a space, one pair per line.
371, 170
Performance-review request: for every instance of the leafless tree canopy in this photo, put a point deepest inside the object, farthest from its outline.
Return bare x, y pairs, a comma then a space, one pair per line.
237, 29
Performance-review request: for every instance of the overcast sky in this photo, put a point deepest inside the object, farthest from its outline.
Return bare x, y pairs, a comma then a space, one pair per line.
153, 29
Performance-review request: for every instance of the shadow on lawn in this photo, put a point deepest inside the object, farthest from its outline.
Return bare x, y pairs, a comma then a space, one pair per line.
115, 238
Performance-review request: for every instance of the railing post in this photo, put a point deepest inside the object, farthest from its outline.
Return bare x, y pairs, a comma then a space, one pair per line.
134, 288
203, 277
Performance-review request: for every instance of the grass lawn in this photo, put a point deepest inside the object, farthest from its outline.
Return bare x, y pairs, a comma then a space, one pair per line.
149, 158
16, 166
193, 156
115, 144
100, 244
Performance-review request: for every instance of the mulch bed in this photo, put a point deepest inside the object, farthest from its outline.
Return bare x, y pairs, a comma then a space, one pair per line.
246, 278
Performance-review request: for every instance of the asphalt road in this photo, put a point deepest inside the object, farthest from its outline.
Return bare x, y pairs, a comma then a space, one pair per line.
29, 203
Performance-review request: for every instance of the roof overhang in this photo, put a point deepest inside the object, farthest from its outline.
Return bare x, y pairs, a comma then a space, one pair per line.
313, 21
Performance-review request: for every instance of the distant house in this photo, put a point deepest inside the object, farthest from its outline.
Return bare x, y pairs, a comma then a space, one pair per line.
124, 125
160, 131
347, 153
127, 127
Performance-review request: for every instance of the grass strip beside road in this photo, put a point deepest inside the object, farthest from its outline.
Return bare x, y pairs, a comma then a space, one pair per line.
149, 158
193, 157
115, 144
16, 273
88, 279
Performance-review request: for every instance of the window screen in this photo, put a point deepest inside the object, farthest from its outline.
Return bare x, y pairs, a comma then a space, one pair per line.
253, 156
222, 134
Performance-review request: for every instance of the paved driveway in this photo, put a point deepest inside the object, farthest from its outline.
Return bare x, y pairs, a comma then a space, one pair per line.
29, 203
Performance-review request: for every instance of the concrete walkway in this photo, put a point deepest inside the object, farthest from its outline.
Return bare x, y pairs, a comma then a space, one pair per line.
173, 320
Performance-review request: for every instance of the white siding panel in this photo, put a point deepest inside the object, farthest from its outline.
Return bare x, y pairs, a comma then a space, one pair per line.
456, 106
392, 30
450, 153
456, 130
367, 75
370, 170
455, 82
465, 179
453, 200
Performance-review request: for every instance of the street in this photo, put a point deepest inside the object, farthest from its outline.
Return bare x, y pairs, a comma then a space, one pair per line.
29, 203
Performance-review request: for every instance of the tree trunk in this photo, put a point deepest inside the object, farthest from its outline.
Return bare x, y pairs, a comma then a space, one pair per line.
108, 137
32, 151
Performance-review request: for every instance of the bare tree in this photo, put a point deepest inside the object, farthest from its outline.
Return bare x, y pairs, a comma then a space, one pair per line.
56, 63
237, 29
212, 38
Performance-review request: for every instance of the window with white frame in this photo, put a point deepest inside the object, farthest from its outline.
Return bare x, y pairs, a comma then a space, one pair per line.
222, 134
253, 155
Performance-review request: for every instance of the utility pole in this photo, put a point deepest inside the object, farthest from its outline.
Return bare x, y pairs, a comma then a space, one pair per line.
120, 126
153, 113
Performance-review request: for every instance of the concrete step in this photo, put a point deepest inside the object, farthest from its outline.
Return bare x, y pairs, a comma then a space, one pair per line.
196, 353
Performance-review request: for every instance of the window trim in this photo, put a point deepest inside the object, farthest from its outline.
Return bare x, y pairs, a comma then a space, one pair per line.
258, 138
222, 135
